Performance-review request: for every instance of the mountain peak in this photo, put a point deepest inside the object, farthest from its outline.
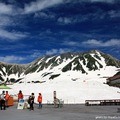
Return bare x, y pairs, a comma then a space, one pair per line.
84, 62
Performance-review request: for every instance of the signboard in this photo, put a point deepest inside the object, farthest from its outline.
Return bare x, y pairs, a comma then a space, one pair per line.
20, 104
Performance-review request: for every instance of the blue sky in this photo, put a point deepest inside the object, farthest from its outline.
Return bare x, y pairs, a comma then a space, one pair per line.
30, 29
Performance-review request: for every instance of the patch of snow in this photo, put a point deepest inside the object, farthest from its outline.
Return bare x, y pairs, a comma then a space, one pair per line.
72, 87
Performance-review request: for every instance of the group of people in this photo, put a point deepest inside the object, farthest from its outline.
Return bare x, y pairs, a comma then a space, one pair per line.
31, 99
4, 100
4, 97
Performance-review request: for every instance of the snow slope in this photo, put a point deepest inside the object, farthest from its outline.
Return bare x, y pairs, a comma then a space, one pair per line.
73, 86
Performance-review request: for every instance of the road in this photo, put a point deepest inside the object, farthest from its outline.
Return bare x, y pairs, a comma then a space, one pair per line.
67, 112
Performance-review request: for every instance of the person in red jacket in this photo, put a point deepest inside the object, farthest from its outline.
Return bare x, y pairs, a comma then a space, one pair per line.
6, 98
20, 95
40, 100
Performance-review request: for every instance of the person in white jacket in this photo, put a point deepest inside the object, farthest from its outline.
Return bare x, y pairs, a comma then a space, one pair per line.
2, 101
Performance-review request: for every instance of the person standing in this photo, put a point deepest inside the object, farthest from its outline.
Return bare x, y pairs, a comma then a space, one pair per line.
29, 101
32, 97
6, 98
2, 102
20, 95
40, 100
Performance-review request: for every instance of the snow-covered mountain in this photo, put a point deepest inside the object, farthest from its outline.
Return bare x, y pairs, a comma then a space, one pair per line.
55, 66
75, 76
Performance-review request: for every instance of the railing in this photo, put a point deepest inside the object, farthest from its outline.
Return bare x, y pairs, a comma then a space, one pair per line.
57, 104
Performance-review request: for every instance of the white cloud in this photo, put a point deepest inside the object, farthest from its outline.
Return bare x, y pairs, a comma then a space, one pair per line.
71, 43
61, 50
76, 1
57, 51
5, 9
12, 35
44, 15
114, 13
51, 52
5, 21
41, 14
11, 59
112, 42
7, 17
35, 54
94, 43
64, 20
98, 43
40, 4
109, 1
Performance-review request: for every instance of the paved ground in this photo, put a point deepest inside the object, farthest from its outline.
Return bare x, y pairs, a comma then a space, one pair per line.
68, 112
